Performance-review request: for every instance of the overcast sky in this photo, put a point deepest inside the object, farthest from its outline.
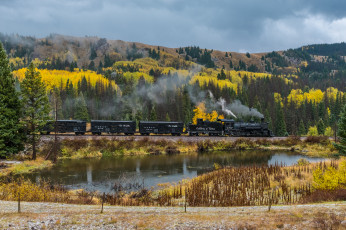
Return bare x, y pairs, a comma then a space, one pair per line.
228, 25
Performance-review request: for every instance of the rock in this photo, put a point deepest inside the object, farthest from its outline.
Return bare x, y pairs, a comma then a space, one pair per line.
343, 223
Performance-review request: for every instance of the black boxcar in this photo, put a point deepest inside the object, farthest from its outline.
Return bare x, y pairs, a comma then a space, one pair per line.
126, 127
205, 127
161, 127
66, 126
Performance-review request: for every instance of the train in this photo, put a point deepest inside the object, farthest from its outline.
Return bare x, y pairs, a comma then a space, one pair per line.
221, 127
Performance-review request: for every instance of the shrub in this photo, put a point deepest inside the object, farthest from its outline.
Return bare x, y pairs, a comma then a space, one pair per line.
317, 140
330, 178
303, 162
328, 132
313, 131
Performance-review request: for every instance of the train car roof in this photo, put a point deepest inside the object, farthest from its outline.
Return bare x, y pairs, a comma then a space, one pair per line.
164, 122
69, 120
110, 121
226, 120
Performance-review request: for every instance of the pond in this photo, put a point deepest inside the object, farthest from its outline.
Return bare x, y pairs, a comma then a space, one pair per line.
102, 174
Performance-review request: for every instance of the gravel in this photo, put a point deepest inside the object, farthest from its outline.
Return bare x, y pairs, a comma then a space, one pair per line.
184, 138
69, 216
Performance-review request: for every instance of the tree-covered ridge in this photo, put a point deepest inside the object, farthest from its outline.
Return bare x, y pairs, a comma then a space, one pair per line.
62, 78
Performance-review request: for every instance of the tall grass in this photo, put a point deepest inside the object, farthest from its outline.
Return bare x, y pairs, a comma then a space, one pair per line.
229, 186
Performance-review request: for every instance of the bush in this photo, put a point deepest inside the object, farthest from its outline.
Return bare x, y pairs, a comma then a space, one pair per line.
317, 140
328, 132
303, 162
324, 195
330, 178
313, 131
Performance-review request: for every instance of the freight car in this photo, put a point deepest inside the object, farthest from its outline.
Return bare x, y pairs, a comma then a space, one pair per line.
114, 127
65, 126
161, 127
206, 127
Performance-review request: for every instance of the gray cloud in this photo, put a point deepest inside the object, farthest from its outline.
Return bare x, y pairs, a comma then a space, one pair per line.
246, 25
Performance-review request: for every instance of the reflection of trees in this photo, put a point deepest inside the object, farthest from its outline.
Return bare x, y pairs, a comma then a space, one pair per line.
109, 169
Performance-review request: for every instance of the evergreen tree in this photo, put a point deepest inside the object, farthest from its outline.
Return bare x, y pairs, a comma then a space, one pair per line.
93, 53
138, 117
342, 132
280, 125
35, 105
269, 120
301, 128
153, 116
11, 135
56, 104
320, 127
231, 64
81, 109
167, 117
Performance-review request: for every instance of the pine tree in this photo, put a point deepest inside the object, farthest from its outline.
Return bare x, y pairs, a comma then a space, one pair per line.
138, 117
35, 105
11, 135
321, 127
56, 104
153, 116
81, 109
269, 120
301, 128
167, 117
280, 125
342, 132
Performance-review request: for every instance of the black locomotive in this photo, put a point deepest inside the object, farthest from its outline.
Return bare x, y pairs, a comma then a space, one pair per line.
206, 127
221, 127
230, 127
161, 127
246, 129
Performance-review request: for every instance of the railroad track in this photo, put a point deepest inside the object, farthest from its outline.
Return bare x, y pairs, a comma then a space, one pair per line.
137, 137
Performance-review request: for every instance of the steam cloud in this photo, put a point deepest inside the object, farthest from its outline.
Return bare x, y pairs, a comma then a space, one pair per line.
236, 107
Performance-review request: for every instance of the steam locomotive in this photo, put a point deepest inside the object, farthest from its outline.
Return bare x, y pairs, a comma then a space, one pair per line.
222, 127
230, 128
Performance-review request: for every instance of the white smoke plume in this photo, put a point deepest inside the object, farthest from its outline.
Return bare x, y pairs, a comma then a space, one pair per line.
243, 110
236, 107
222, 102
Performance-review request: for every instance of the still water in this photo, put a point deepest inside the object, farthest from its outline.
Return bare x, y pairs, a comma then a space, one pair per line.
102, 174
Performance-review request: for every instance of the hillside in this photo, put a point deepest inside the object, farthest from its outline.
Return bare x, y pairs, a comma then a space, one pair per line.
295, 90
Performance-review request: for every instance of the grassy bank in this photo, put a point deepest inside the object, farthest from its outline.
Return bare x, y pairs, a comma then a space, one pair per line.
23, 167
317, 146
105, 147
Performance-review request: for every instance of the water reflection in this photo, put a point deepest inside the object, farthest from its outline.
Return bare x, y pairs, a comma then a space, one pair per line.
102, 174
